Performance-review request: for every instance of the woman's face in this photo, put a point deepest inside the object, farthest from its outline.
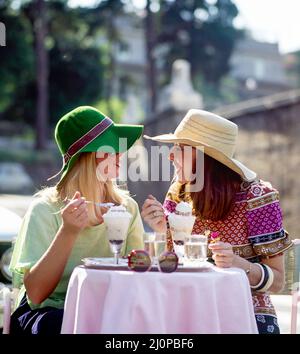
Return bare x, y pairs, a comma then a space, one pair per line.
108, 165
184, 159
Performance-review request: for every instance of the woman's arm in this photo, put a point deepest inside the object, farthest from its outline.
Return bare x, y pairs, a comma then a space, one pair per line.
41, 280
153, 214
224, 257
275, 263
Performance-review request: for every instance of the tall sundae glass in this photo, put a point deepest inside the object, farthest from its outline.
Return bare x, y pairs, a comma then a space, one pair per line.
181, 225
117, 220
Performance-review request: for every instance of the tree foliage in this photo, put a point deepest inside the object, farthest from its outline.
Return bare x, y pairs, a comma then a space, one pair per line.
76, 65
202, 32
82, 66
16, 59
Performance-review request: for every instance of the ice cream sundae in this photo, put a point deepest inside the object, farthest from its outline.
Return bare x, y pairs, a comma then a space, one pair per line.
181, 221
181, 225
117, 221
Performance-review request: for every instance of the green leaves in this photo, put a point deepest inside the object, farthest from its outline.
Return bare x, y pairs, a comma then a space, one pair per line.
76, 67
201, 32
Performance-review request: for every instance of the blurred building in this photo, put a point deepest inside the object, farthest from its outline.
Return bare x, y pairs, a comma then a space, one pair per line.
292, 67
259, 69
130, 77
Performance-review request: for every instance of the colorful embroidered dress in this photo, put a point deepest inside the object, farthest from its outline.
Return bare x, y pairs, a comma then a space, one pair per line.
254, 229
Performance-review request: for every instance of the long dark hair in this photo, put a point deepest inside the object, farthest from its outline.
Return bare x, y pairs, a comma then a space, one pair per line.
216, 199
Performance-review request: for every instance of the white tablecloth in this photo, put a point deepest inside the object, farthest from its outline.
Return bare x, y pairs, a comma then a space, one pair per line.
103, 301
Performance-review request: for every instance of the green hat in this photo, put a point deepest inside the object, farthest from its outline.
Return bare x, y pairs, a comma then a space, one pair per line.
85, 129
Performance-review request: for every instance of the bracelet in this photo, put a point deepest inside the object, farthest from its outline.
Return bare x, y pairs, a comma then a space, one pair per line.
269, 281
263, 276
267, 278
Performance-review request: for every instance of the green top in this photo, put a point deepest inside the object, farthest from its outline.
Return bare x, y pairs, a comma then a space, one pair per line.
39, 228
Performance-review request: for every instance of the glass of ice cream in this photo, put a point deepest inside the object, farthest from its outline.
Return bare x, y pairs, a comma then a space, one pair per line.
181, 224
117, 220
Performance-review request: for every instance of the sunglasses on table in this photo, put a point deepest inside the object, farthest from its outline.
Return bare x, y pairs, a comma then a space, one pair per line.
140, 261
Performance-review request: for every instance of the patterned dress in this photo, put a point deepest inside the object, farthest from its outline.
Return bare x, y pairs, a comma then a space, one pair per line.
254, 229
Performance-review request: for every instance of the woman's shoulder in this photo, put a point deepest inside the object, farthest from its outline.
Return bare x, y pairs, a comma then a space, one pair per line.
260, 194
258, 188
42, 216
43, 202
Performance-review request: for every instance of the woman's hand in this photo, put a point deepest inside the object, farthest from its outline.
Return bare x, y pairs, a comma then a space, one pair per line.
41, 280
153, 214
222, 254
75, 215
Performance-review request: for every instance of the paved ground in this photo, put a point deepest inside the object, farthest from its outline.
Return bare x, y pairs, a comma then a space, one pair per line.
282, 305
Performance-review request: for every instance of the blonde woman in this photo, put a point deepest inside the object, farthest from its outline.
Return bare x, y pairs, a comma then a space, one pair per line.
60, 227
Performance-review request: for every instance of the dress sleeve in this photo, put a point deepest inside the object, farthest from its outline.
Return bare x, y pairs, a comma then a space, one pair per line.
264, 215
38, 229
171, 199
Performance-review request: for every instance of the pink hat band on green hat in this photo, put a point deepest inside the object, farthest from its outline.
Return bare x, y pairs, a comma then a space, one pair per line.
87, 138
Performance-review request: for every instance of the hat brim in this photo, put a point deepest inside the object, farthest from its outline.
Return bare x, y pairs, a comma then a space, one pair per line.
117, 139
233, 164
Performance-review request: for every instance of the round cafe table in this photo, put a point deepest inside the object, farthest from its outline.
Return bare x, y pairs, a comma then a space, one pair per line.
122, 302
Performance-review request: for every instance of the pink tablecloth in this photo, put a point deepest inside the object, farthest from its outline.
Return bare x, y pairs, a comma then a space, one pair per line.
103, 301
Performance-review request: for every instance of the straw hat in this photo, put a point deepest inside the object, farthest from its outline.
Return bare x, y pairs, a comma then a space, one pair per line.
217, 135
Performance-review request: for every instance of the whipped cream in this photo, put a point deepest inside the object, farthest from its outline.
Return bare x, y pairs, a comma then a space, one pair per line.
118, 211
183, 208
117, 220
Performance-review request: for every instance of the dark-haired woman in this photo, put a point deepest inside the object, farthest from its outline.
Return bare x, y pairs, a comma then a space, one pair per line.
232, 200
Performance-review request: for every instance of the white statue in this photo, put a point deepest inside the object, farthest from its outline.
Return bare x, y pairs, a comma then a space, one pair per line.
180, 94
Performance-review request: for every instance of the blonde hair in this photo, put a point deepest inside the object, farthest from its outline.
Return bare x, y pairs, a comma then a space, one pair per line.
83, 178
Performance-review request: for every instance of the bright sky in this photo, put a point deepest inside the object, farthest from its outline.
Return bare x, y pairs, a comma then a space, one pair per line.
273, 21
268, 20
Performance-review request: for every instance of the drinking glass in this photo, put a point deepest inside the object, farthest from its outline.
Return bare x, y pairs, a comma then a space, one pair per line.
154, 244
117, 220
195, 249
149, 238
159, 246
179, 248
115, 246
